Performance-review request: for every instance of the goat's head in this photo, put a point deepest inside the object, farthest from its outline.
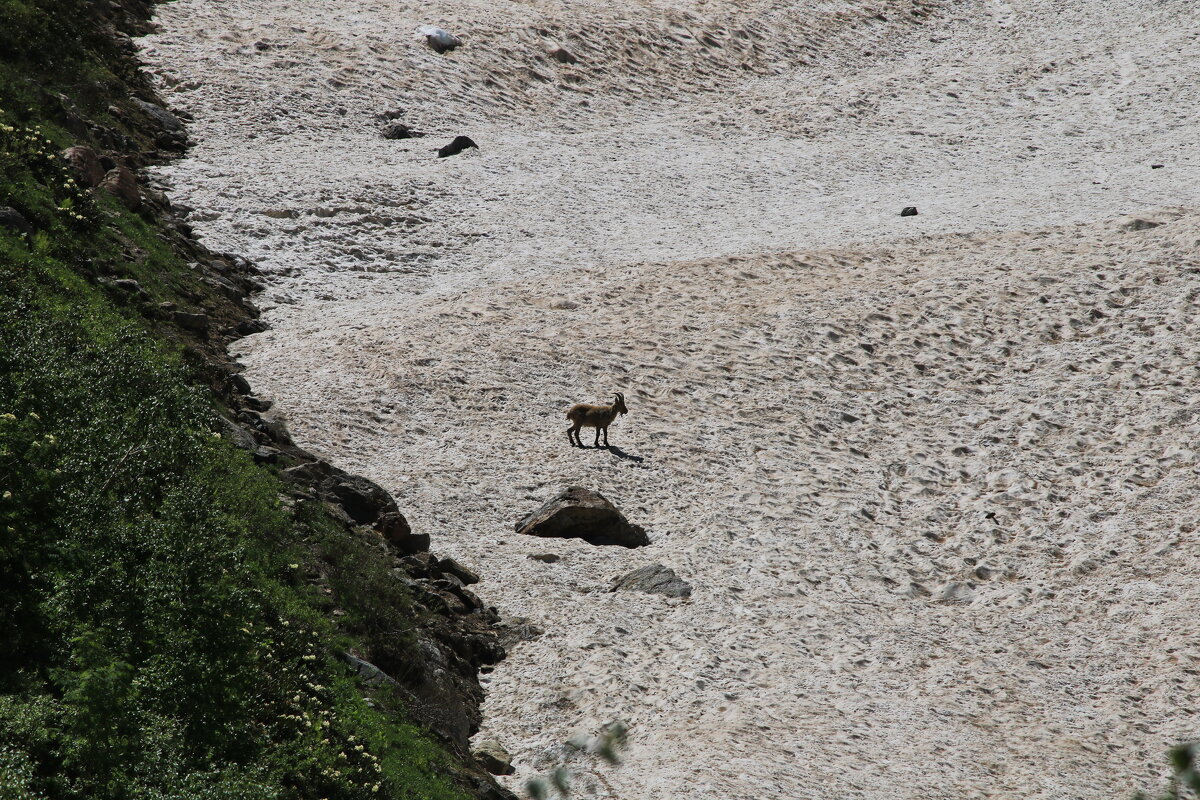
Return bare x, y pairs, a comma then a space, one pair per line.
620, 404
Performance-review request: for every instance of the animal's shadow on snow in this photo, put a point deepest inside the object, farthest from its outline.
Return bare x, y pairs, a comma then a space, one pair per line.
619, 453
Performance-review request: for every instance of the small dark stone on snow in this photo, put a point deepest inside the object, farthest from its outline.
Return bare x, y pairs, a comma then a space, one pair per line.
1139, 224
545, 558
398, 130
455, 147
562, 55
909, 211
653, 579
1157, 166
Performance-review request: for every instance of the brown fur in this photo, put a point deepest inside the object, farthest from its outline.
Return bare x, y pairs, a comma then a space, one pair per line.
586, 415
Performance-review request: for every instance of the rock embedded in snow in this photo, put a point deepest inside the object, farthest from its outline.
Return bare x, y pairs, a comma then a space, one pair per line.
909, 211
579, 513
1133, 223
439, 39
398, 130
558, 52
514, 630
956, 592
652, 579
455, 147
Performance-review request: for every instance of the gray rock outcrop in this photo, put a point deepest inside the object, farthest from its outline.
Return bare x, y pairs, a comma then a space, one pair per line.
494, 757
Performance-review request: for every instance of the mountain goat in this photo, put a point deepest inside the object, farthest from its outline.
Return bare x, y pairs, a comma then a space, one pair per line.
599, 417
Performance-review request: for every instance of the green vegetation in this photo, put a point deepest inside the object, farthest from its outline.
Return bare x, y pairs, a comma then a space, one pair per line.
1185, 778
162, 634
558, 784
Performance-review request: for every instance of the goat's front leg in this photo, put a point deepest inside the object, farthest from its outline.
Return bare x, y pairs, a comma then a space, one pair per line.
598, 429
606, 436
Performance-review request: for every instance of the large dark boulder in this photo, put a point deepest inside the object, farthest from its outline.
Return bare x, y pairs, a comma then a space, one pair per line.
163, 118
365, 502
362, 499
583, 514
397, 532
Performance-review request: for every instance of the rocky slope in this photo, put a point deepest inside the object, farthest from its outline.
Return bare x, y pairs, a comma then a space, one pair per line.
128, 265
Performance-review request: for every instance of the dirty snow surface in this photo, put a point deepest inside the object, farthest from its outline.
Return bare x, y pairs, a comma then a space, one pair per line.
933, 478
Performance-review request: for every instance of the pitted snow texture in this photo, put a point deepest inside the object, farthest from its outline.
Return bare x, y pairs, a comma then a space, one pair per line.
932, 479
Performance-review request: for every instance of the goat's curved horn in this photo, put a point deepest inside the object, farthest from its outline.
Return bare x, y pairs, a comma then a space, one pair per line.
621, 397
